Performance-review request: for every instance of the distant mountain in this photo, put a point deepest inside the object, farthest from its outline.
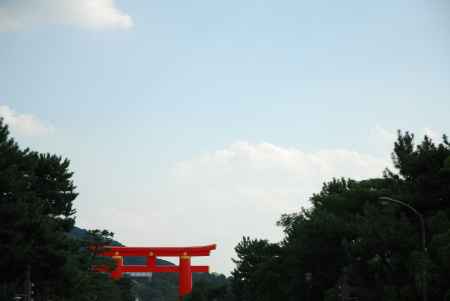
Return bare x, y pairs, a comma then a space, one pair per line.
80, 233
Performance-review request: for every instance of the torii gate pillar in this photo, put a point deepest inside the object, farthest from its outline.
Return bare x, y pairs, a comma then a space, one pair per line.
185, 276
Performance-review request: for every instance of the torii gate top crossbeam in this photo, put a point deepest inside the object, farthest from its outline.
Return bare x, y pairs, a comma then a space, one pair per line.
158, 251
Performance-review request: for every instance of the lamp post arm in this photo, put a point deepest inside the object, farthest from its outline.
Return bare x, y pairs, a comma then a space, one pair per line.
419, 215
424, 245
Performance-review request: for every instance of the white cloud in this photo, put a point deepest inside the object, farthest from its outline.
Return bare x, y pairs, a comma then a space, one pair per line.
431, 133
382, 139
262, 171
244, 188
24, 124
222, 195
93, 14
385, 135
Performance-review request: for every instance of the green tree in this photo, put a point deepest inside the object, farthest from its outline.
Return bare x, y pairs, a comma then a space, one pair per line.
351, 245
36, 214
36, 194
256, 275
210, 286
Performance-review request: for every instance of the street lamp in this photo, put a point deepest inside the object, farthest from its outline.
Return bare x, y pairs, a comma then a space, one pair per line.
424, 243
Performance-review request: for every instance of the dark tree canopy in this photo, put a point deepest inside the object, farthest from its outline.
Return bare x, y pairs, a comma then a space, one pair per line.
351, 246
36, 215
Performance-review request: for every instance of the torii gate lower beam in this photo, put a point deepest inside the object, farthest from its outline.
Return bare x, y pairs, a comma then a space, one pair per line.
184, 269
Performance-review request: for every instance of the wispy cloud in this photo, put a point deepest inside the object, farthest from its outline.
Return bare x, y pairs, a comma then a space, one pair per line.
382, 139
92, 14
245, 187
240, 189
24, 124
272, 175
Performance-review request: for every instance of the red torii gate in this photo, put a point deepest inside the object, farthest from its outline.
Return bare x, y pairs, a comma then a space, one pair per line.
184, 269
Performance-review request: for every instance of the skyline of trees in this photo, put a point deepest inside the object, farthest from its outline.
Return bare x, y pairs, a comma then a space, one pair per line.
348, 244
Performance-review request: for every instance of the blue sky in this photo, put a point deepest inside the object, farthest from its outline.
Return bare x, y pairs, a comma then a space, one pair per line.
202, 121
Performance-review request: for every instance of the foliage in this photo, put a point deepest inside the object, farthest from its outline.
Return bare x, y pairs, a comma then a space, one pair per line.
210, 287
36, 214
256, 276
162, 287
351, 246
